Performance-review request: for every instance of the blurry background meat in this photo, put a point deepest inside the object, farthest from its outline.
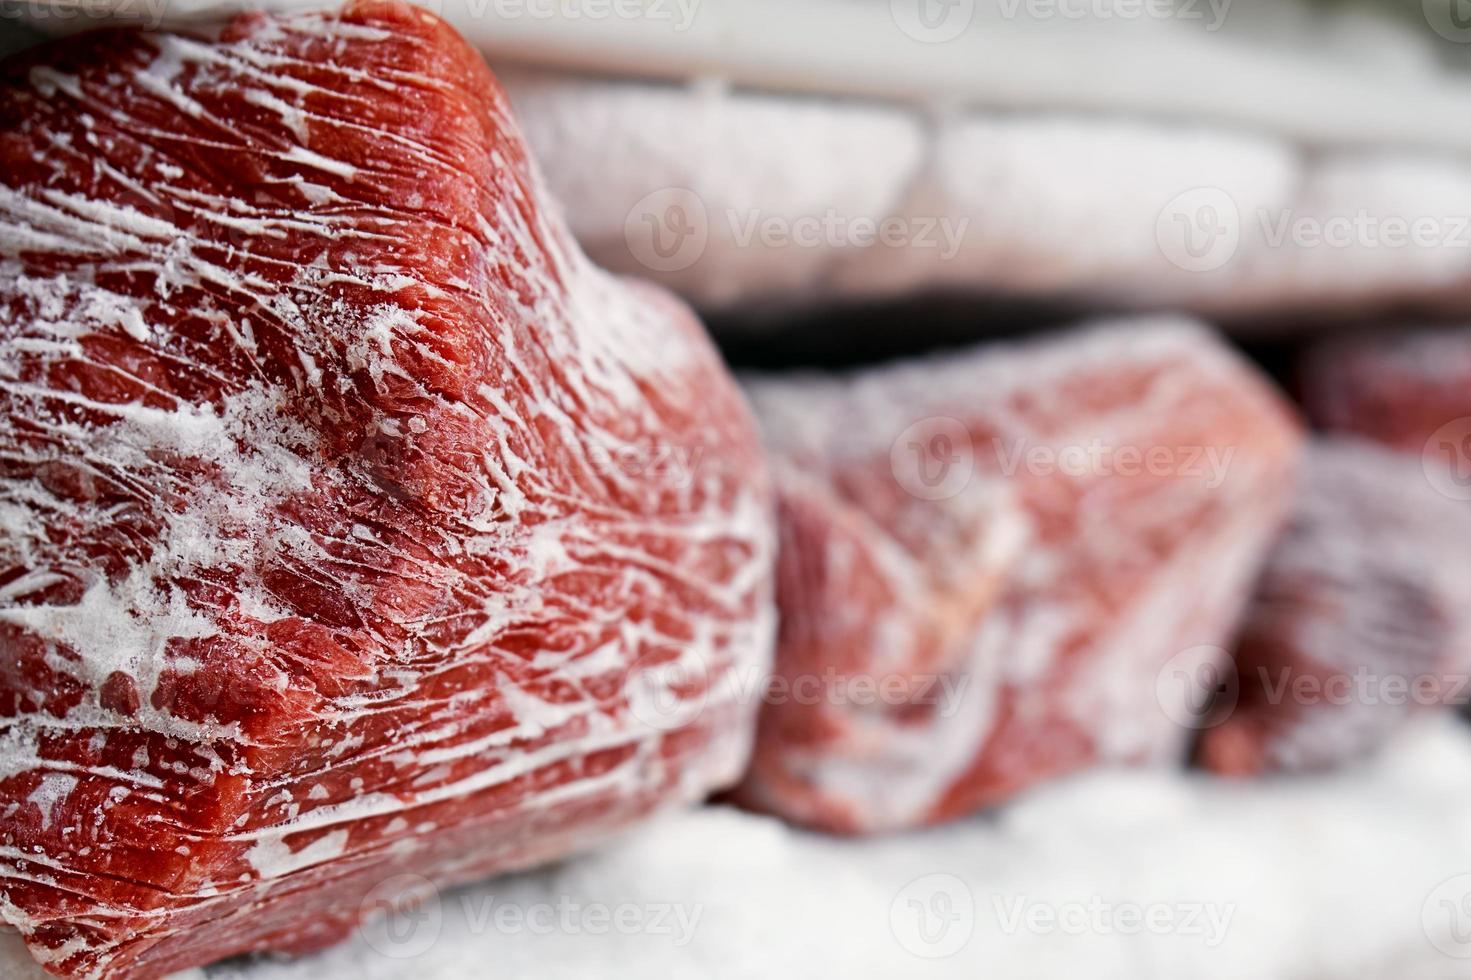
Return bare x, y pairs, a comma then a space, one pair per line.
1022, 536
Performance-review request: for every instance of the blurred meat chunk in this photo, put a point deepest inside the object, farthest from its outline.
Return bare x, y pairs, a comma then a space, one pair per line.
1410, 390
990, 559
1361, 619
355, 526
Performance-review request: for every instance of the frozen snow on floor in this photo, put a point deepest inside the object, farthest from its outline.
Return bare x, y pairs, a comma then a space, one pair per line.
1126, 875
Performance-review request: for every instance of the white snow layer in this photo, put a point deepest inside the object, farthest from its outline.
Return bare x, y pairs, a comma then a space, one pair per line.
754, 198
1130, 875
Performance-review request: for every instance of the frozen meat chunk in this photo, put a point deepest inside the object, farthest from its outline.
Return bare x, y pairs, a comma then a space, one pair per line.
354, 523
989, 561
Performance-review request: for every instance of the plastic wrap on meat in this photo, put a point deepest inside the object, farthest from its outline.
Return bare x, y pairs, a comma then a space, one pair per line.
353, 523
1362, 617
989, 559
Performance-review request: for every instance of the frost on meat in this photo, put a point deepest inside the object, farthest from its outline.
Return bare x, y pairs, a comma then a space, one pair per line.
1361, 619
988, 558
1410, 390
349, 514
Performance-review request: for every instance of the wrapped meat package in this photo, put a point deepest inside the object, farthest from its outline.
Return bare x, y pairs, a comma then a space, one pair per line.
354, 523
989, 561
1361, 619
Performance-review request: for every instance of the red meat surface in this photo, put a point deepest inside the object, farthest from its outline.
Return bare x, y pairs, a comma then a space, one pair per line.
1396, 388
1362, 617
989, 561
353, 523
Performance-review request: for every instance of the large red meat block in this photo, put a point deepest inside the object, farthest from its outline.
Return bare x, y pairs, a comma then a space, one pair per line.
1362, 617
354, 524
989, 561
1410, 390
